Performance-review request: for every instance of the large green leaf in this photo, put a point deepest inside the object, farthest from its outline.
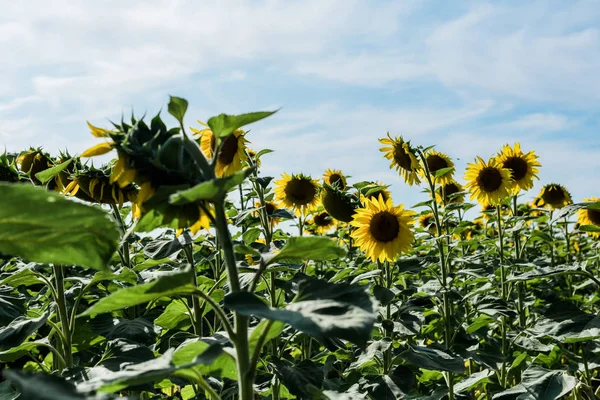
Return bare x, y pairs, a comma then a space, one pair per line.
177, 107
434, 359
45, 227
315, 248
302, 379
7, 392
340, 312
47, 387
47, 174
566, 323
179, 282
223, 124
538, 383
19, 330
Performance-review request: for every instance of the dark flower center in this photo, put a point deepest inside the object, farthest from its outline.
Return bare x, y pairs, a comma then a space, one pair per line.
518, 167
336, 180
449, 190
270, 208
594, 216
401, 157
322, 219
489, 179
554, 195
435, 163
300, 191
384, 227
427, 221
229, 149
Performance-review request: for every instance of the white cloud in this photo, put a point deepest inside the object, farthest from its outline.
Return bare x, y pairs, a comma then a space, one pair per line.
546, 122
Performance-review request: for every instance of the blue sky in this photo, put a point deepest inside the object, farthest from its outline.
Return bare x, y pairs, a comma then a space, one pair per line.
465, 76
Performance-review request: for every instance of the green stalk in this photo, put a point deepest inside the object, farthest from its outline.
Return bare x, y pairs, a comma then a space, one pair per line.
197, 310
245, 376
447, 308
61, 302
551, 232
124, 245
503, 327
520, 290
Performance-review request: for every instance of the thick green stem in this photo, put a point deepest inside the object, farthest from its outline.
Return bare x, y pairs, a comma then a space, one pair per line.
551, 233
245, 376
520, 290
197, 310
124, 245
503, 325
61, 302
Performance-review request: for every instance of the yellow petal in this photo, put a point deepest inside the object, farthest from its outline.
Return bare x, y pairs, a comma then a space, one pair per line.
98, 132
98, 149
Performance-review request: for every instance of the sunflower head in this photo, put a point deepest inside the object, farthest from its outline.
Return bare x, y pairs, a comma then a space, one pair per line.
33, 161
450, 193
554, 196
231, 149
253, 157
402, 157
437, 161
489, 183
382, 230
321, 222
94, 186
427, 222
588, 216
340, 205
335, 178
271, 208
299, 192
523, 166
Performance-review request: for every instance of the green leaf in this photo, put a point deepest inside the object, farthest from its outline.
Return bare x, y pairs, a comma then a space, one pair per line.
589, 228
543, 236
302, 379
175, 313
45, 227
540, 383
177, 108
566, 323
223, 124
46, 387
211, 190
434, 359
179, 282
7, 392
472, 380
326, 311
251, 235
50, 173
316, 248
215, 361
443, 171
19, 330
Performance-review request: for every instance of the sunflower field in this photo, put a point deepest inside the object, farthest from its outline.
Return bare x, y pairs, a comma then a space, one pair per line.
177, 270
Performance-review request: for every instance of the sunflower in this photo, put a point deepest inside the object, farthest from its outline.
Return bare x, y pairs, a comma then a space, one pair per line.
334, 177
447, 193
8, 172
373, 190
489, 183
522, 166
252, 157
232, 153
383, 231
340, 205
32, 162
322, 222
271, 208
298, 192
587, 216
474, 229
554, 196
437, 161
402, 158
427, 222
95, 186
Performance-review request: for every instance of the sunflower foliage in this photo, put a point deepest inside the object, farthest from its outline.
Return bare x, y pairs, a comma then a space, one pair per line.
177, 270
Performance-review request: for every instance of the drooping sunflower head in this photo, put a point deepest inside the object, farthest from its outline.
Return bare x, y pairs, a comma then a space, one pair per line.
335, 178
588, 216
231, 150
554, 196
271, 208
402, 157
94, 186
297, 191
32, 162
427, 222
437, 161
373, 190
338, 204
322, 223
383, 231
523, 166
450, 193
489, 183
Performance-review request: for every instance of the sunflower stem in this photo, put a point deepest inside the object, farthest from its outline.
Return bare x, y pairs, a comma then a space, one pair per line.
551, 233
197, 310
503, 324
61, 302
520, 290
123, 229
